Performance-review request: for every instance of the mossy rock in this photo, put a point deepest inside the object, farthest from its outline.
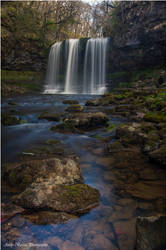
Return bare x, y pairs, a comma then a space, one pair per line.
70, 102
9, 120
12, 103
155, 117
74, 199
75, 108
50, 116
52, 141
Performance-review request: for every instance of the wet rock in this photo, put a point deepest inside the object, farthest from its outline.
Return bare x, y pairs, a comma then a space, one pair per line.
95, 102
50, 116
123, 213
17, 221
98, 242
9, 210
159, 155
161, 205
145, 205
71, 245
75, 199
9, 120
151, 233
55, 242
12, 103
107, 162
78, 234
115, 147
131, 134
75, 108
155, 117
148, 174
98, 151
81, 122
49, 217
12, 235
52, 141
147, 190
126, 234
70, 102
54, 171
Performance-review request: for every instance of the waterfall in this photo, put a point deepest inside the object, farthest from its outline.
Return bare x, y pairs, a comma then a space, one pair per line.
77, 68
53, 69
94, 66
72, 66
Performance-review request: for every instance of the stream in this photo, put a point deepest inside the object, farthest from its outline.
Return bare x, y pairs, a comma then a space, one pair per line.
92, 231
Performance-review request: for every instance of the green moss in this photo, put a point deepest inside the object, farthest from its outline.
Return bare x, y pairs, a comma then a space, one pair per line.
75, 108
111, 127
155, 117
28, 80
51, 141
81, 194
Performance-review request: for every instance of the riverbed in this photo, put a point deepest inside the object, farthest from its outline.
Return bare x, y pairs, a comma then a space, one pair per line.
111, 225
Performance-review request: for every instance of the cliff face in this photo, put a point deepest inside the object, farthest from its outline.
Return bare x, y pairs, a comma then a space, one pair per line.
23, 55
141, 39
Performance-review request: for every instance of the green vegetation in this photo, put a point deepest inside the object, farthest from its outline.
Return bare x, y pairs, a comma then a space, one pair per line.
111, 127
21, 81
127, 79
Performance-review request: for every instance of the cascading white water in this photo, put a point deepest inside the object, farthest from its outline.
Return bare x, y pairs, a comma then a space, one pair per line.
52, 75
94, 66
72, 66
74, 70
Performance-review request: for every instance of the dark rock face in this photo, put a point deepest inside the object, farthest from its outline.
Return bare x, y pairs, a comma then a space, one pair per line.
18, 55
151, 233
141, 41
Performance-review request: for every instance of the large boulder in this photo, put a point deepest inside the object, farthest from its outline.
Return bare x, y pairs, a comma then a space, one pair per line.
83, 121
75, 108
50, 116
54, 171
131, 134
151, 233
75, 199
9, 120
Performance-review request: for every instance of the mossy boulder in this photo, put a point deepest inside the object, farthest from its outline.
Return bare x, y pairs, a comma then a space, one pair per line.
95, 102
155, 117
50, 116
9, 120
12, 103
131, 134
82, 122
74, 199
70, 102
152, 141
52, 170
75, 108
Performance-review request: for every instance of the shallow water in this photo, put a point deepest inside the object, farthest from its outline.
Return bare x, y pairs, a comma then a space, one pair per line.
94, 230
